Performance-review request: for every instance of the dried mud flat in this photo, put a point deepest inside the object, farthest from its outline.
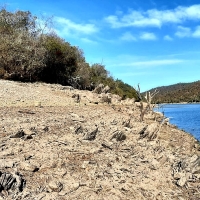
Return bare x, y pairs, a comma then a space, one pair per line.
54, 148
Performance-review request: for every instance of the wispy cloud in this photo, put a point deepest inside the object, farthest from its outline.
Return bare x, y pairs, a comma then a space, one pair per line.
86, 40
128, 37
135, 18
196, 32
148, 36
149, 63
67, 27
183, 32
154, 17
168, 38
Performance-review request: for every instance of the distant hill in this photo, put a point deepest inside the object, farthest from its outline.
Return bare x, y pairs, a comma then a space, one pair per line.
177, 93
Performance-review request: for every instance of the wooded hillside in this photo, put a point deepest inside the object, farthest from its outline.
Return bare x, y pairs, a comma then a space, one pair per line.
177, 93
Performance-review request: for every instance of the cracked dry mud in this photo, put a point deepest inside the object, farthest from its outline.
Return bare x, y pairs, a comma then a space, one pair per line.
54, 148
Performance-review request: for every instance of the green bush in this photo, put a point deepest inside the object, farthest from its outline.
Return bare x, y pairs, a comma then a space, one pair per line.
60, 59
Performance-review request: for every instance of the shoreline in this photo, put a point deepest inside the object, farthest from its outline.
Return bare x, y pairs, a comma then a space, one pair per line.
92, 150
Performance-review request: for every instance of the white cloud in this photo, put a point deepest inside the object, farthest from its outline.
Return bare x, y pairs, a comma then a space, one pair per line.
86, 40
196, 33
154, 63
68, 27
135, 18
148, 36
128, 37
147, 63
168, 38
154, 17
183, 32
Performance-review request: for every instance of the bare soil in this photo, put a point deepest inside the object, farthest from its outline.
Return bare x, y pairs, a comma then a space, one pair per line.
90, 150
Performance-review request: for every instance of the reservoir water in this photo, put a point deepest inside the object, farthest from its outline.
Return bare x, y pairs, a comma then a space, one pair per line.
184, 116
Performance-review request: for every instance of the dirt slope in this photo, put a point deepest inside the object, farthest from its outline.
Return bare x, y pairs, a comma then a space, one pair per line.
68, 150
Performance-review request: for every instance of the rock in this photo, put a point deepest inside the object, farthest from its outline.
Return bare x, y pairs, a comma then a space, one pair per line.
119, 136
150, 132
55, 186
46, 129
29, 167
106, 89
74, 116
74, 186
142, 130
5, 163
181, 182
154, 164
114, 122
78, 129
19, 134
126, 123
28, 132
91, 135
85, 164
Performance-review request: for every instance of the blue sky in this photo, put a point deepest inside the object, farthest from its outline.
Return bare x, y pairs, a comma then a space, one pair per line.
150, 42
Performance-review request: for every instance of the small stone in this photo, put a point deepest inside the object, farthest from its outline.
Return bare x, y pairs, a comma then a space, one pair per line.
29, 167
181, 182
7, 163
154, 164
74, 186
84, 165
91, 135
119, 136
55, 186
19, 134
178, 175
46, 129
28, 132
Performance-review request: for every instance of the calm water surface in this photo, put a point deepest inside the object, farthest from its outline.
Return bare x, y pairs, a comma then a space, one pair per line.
184, 116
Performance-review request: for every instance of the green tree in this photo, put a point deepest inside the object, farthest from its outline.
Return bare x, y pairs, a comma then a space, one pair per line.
60, 60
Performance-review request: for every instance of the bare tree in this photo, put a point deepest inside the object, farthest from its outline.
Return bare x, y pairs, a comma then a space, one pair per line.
148, 97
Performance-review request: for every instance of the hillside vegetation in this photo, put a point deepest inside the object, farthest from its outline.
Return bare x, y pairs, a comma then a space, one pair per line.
177, 93
30, 51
